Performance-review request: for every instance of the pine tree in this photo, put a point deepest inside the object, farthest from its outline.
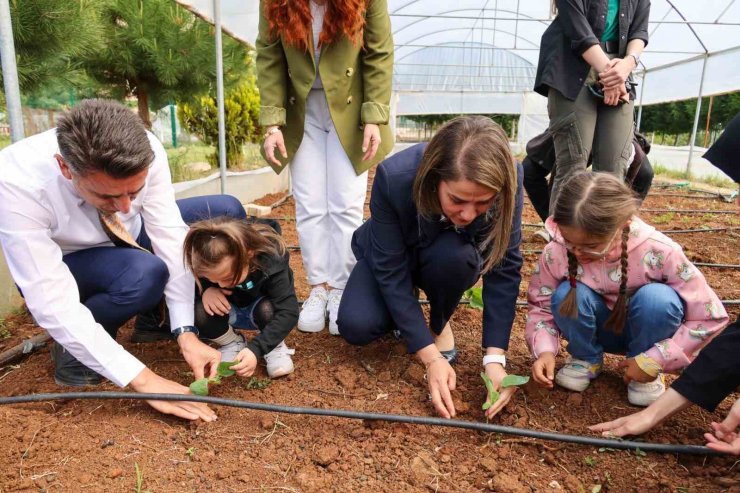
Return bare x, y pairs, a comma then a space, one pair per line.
51, 39
158, 52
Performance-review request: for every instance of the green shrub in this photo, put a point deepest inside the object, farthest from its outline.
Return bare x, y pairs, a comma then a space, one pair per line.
241, 111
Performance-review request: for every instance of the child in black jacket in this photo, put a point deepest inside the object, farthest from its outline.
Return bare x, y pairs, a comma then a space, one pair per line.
245, 281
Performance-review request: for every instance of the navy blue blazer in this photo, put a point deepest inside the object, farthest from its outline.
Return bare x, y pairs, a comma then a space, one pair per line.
725, 153
389, 241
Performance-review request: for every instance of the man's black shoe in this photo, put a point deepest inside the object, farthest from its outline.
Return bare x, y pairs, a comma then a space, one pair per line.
70, 372
149, 327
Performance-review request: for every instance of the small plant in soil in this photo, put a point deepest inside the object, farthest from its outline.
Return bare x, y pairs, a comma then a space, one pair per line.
258, 383
474, 297
508, 381
590, 461
190, 452
139, 487
200, 386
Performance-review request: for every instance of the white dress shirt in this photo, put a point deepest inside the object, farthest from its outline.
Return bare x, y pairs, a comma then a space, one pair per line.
42, 218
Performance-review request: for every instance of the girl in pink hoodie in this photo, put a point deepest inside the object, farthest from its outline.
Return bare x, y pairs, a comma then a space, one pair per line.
608, 282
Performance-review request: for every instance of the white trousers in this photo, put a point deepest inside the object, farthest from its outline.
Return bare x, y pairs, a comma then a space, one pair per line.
329, 197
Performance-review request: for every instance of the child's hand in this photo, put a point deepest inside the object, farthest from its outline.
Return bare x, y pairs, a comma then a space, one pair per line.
246, 363
634, 372
215, 302
543, 370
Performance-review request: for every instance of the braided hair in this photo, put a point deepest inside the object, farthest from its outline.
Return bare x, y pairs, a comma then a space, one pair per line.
598, 203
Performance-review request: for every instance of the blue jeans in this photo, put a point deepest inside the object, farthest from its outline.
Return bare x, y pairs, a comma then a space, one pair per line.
243, 317
655, 313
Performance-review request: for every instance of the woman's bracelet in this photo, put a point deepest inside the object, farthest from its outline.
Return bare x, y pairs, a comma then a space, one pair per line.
436, 358
271, 131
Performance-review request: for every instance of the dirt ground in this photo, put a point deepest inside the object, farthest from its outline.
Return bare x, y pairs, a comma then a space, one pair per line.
97, 446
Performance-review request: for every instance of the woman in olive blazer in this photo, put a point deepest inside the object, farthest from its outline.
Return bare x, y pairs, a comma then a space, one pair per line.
324, 71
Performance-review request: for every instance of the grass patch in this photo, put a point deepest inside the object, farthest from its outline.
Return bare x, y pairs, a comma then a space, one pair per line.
196, 152
716, 181
4, 330
663, 218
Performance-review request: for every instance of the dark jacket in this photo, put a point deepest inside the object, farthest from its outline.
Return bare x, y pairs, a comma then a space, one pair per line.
390, 241
275, 283
578, 26
725, 153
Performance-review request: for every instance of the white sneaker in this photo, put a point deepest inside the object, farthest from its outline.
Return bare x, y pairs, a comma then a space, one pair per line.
335, 298
230, 350
279, 362
644, 394
577, 374
313, 313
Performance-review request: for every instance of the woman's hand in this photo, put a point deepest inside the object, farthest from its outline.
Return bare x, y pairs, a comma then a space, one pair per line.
441, 379
613, 95
148, 382
617, 72
725, 437
496, 373
246, 363
272, 141
634, 424
202, 358
634, 372
543, 370
370, 141
215, 302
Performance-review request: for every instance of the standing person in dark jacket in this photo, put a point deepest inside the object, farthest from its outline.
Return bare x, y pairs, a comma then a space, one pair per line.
540, 162
245, 281
441, 214
715, 373
586, 57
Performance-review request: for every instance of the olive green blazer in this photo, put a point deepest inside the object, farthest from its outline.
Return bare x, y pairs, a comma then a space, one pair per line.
357, 82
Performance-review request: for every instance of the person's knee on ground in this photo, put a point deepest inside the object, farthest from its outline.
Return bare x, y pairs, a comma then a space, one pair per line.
359, 327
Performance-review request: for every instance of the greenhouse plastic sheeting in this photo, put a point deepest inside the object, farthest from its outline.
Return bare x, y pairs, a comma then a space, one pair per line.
481, 55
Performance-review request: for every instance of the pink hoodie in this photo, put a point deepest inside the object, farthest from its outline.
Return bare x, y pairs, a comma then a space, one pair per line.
652, 257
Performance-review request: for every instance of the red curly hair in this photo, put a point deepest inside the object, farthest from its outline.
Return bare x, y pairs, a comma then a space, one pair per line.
291, 19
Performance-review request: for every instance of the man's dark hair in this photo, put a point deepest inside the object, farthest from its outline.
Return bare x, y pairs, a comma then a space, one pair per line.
103, 135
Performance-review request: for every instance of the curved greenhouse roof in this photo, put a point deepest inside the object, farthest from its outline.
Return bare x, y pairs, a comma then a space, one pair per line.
481, 55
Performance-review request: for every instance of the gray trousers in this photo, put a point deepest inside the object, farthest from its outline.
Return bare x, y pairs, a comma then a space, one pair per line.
584, 126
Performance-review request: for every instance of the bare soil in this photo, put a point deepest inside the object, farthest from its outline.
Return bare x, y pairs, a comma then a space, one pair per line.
96, 446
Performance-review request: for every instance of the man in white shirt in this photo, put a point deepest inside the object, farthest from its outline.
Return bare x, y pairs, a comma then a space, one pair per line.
67, 198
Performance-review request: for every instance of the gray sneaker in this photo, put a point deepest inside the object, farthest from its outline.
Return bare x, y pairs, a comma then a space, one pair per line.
230, 350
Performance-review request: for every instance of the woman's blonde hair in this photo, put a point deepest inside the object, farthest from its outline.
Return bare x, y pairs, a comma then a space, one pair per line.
473, 148
210, 241
599, 204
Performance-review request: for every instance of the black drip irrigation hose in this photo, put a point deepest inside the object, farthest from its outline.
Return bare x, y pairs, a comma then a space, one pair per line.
393, 418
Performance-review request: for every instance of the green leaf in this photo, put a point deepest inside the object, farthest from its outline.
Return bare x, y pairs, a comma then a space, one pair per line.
475, 296
223, 369
493, 394
513, 381
199, 387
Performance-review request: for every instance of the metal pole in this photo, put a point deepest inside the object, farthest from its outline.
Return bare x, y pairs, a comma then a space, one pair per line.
696, 116
220, 94
10, 73
173, 125
642, 93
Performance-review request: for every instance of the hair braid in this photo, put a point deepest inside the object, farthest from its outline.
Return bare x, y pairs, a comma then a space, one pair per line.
569, 307
616, 320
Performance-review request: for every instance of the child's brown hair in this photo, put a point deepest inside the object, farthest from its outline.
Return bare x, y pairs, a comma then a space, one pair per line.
597, 203
210, 241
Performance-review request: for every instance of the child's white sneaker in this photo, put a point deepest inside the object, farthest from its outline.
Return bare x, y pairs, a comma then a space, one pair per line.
335, 298
279, 362
313, 313
577, 374
230, 350
644, 394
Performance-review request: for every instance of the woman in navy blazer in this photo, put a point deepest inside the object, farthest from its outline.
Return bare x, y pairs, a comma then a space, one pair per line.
442, 214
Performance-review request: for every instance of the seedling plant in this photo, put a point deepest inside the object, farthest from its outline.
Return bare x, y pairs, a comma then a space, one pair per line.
508, 381
200, 386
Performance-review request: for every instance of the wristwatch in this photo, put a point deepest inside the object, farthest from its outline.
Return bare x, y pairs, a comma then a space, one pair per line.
185, 328
494, 358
